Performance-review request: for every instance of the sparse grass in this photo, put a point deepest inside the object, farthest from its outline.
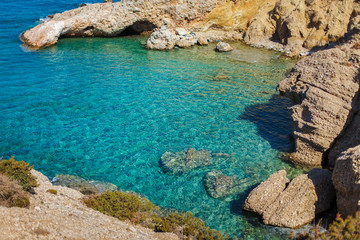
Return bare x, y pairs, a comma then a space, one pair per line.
344, 229
19, 171
12, 194
141, 211
52, 191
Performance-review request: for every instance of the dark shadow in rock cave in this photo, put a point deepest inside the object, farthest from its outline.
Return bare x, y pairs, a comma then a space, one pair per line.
273, 121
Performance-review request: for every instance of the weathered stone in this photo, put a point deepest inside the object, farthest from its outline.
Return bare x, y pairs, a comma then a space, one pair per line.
346, 178
223, 47
266, 193
108, 1
186, 160
162, 39
323, 86
293, 205
305, 196
218, 185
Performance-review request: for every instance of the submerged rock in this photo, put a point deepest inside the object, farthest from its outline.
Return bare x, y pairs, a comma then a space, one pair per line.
223, 47
80, 184
184, 161
295, 205
218, 185
346, 177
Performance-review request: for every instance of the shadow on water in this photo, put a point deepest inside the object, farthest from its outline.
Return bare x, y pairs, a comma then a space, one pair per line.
273, 122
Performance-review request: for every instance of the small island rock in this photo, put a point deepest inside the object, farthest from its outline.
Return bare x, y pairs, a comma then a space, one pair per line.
223, 47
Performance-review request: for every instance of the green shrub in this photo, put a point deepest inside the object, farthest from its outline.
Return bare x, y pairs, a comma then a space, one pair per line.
121, 205
141, 211
345, 229
19, 171
12, 194
52, 191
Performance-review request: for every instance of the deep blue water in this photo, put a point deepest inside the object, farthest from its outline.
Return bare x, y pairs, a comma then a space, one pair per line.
107, 109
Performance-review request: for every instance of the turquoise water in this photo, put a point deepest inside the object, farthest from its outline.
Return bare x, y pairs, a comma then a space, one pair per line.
107, 109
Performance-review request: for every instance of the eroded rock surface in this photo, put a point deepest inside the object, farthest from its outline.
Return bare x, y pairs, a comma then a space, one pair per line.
324, 87
346, 178
266, 193
184, 161
223, 47
293, 205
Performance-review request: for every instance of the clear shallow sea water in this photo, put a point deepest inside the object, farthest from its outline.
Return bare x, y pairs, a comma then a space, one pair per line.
107, 109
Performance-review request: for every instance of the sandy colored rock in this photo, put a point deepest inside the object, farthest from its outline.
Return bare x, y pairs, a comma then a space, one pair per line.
64, 216
306, 195
266, 193
324, 88
346, 178
223, 47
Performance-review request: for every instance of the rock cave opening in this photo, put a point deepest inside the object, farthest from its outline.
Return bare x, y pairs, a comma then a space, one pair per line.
139, 27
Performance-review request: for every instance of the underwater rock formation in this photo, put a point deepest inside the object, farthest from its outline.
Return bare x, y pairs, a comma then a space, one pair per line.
218, 185
184, 161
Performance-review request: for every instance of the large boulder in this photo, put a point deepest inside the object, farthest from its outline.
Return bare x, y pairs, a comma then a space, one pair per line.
266, 193
223, 47
184, 161
162, 39
296, 204
218, 185
346, 178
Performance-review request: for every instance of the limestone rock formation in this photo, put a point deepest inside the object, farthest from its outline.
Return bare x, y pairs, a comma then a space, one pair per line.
346, 178
114, 19
296, 204
218, 185
186, 160
266, 193
324, 88
223, 47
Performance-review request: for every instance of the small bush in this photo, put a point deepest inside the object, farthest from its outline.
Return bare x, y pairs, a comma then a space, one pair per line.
12, 194
120, 205
19, 171
345, 229
52, 191
141, 211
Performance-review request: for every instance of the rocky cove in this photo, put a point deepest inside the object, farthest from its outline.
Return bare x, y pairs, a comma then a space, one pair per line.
323, 86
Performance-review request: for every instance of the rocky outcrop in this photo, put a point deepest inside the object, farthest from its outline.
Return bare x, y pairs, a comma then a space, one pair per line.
324, 87
218, 185
223, 47
184, 161
296, 204
64, 216
114, 19
346, 178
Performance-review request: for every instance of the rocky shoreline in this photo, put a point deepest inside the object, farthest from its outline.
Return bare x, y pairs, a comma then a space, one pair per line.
323, 86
